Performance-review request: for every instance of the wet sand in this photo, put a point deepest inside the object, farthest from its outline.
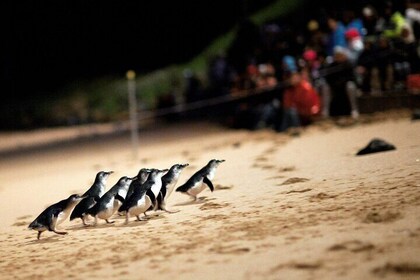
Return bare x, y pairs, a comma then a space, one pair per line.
284, 207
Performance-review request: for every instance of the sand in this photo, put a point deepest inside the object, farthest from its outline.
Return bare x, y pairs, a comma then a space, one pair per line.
284, 207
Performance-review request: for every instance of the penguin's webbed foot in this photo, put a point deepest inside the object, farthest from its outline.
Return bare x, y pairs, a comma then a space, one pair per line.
109, 222
39, 235
60, 232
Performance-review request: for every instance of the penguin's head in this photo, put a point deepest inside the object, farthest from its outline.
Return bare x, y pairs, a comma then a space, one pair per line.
144, 173
215, 162
102, 176
178, 167
75, 198
154, 173
126, 181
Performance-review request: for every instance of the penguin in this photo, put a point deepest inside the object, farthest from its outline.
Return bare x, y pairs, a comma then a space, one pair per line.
54, 215
139, 202
110, 201
155, 189
169, 181
197, 183
141, 179
93, 194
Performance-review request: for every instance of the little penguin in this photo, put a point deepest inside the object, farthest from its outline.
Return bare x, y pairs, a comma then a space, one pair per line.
54, 215
141, 178
155, 189
169, 181
110, 201
139, 202
92, 196
197, 183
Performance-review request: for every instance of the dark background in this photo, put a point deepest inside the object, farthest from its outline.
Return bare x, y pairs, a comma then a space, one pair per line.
48, 44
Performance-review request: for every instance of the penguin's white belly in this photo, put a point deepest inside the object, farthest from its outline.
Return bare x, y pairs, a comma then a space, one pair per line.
156, 189
117, 205
123, 192
211, 174
170, 189
197, 188
63, 215
142, 205
108, 211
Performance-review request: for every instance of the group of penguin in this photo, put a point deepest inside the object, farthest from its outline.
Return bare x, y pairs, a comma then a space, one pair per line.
147, 191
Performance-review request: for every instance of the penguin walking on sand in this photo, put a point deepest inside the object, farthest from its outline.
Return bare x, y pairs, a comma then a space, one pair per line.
54, 215
169, 181
198, 182
155, 189
141, 179
92, 196
139, 202
110, 201
135, 184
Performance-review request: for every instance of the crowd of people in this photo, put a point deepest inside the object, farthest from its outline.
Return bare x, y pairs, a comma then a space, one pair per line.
321, 69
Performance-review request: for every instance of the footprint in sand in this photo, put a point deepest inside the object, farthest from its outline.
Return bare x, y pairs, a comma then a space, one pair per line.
263, 166
236, 145
298, 191
215, 217
352, 246
213, 205
294, 180
321, 196
229, 249
298, 265
377, 217
220, 187
287, 169
261, 159
398, 268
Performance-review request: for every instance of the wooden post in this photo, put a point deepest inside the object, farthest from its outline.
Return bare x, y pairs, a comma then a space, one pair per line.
132, 103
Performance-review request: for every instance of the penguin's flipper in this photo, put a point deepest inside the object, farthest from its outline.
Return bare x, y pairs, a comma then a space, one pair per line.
120, 198
185, 187
159, 199
208, 183
52, 219
82, 207
150, 194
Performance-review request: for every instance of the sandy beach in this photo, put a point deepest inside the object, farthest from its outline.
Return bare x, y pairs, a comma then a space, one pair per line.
284, 207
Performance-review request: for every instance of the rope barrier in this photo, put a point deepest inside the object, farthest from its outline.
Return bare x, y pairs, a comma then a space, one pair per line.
243, 94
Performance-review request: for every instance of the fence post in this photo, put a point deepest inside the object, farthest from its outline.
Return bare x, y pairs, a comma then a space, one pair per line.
132, 103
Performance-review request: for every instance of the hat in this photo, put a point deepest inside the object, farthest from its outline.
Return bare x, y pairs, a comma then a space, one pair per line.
352, 33
309, 55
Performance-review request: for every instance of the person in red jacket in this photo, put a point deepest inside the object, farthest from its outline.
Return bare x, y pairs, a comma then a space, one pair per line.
301, 103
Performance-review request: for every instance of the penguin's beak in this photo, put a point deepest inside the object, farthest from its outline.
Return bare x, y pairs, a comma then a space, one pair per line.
78, 198
220, 161
184, 165
164, 170
110, 172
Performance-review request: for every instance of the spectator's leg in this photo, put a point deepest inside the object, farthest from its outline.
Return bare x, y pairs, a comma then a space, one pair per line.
290, 119
351, 90
325, 91
382, 71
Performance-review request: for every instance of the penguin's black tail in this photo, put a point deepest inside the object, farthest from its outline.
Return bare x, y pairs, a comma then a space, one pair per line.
181, 188
123, 207
92, 211
33, 225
